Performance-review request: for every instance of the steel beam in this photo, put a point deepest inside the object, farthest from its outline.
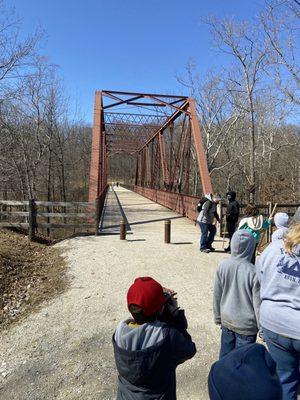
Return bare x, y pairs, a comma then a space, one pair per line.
199, 147
163, 160
95, 182
169, 96
169, 121
130, 134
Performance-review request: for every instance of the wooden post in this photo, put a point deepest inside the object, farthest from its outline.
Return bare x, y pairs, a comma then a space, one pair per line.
122, 230
31, 219
97, 216
269, 231
167, 231
264, 232
220, 225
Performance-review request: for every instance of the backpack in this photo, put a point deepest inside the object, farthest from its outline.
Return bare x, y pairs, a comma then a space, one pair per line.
201, 203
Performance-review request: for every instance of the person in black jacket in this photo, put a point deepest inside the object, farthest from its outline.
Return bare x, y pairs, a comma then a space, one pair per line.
149, 346
232, 215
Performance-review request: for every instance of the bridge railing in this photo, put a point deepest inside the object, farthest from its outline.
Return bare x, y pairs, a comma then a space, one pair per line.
186, 205
40, 216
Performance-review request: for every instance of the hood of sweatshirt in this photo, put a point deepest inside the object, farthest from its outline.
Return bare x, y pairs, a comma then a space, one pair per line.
232, 194
279, 234
281, 220
208, 196
255, 223
138, 337
242, 245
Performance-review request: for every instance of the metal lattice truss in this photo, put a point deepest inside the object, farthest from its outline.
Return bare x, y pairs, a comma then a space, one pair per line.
161, 130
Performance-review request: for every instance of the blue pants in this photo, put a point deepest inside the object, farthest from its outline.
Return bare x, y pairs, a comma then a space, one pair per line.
231, 340
286, 354
208, 232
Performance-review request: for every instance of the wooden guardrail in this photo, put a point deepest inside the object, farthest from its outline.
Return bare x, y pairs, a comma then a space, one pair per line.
37, 215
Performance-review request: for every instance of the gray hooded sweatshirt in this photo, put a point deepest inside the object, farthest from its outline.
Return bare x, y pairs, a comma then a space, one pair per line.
236, 291
279, 275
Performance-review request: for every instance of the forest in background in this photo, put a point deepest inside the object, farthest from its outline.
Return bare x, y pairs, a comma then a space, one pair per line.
248, 113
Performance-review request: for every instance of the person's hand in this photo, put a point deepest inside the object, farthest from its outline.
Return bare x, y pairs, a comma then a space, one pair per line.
171, 303
261, 335
167, 291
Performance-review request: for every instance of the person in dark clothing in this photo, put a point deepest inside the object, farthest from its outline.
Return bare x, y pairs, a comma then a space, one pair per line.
247, 373
232, 215
149, 346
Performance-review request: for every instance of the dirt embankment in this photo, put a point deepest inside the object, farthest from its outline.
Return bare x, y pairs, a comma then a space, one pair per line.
30, 272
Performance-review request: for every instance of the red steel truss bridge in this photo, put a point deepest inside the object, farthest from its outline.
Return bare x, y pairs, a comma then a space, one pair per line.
162, 132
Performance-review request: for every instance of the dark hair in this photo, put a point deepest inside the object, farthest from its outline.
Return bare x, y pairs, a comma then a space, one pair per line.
139, 316
251, 210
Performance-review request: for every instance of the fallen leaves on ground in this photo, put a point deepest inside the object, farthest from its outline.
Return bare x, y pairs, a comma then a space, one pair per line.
30, 273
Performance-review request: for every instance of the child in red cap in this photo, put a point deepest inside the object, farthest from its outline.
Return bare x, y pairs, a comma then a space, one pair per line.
149, 346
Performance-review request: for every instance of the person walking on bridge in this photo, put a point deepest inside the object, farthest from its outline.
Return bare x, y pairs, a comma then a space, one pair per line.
232, 215
208, 211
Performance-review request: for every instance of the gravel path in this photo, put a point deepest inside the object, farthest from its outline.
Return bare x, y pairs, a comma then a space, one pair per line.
64, 350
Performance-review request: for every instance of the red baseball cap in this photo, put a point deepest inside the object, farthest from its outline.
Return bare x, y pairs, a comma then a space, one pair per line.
146, 293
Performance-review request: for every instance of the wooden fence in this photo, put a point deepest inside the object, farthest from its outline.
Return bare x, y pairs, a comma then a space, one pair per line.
35, 215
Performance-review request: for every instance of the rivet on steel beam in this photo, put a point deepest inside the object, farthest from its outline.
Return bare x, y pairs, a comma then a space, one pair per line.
122, 230
167, 231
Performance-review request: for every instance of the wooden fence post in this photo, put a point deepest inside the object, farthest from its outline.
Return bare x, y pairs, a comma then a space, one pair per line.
31, 219
97, 216
269, 231
220, 225
167, 231
123, 230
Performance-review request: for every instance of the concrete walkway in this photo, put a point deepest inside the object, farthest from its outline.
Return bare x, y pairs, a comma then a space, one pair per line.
64, 350
111, 215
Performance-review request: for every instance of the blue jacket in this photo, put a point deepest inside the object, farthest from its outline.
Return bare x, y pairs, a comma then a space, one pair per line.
147, 356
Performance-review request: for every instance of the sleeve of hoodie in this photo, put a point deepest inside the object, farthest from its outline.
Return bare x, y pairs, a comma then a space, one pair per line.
182, 346
256, 298
258, 268
217, 216
218, 289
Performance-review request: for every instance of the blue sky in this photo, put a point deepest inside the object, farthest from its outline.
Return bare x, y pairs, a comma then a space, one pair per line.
138, 45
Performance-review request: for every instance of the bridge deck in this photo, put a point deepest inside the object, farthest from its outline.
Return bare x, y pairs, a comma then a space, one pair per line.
64, 350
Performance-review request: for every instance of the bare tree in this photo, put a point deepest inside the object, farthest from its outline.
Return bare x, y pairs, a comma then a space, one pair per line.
281, 25
245, 80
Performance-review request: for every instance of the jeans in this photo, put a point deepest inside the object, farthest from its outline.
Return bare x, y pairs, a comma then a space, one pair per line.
286, 353
231, 340
208, 232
